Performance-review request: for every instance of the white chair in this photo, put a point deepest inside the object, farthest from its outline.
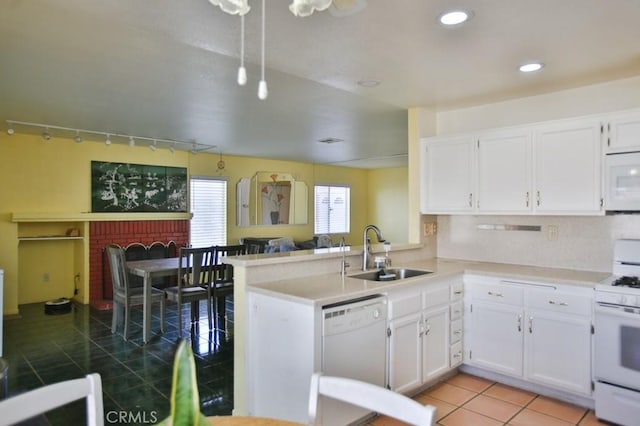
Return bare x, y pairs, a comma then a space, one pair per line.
38, 401
366, 395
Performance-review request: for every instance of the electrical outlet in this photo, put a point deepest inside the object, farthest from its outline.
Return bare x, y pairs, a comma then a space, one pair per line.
45, 277
429, 228
552, 232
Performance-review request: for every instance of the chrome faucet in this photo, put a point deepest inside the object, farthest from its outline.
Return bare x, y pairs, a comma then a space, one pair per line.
366, 253
343, 264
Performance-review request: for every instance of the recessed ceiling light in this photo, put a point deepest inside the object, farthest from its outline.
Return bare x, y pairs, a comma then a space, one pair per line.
454, 17
368, 83
531, 67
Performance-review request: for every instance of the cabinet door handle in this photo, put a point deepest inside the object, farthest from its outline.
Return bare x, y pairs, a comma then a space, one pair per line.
490, 293
470, 199
457, 292
457, 332
457, 354
527, 198
530, 324
553, 302
538, 198
519, 323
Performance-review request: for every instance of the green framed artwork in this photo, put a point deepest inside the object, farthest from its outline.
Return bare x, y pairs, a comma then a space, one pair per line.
123, 187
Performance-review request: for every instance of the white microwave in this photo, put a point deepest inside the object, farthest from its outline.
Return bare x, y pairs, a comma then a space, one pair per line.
622, 182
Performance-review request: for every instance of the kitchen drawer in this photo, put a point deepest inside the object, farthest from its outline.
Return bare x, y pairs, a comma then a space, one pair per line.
457, 291
435, 297
455, 330
559, 301
456, 310
455, 354
406, 304
498, 293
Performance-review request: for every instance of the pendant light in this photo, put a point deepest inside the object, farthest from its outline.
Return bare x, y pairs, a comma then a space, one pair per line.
232, 7
263, 92
242, 71
241, 7
304, 8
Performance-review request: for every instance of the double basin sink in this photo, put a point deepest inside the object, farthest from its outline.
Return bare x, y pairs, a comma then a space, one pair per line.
390, 274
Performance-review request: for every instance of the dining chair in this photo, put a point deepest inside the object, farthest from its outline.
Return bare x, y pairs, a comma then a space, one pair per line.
124, 295
371, 397
195, 275
135, 251
222, 285
27, 405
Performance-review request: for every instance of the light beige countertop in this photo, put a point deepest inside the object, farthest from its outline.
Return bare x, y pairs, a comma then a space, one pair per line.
304, 255
332, 288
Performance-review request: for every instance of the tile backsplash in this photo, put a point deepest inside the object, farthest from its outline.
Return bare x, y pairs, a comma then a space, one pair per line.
573, 242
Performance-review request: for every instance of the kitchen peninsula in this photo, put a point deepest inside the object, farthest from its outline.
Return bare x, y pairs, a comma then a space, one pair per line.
303, 282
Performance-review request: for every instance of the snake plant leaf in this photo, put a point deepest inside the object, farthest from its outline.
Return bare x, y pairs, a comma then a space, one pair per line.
185, 400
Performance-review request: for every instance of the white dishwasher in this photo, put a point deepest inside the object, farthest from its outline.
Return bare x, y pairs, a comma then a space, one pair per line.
354, 345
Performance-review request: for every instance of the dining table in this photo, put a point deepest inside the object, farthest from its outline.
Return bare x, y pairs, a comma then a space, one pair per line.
248, 421
149, 269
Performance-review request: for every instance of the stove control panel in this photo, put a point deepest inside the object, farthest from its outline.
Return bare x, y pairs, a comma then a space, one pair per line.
615, 298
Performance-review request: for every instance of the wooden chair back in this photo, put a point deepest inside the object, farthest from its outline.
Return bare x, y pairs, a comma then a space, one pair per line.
196, 267
224, 272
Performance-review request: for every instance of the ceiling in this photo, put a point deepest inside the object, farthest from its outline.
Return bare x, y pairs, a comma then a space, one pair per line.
167, 69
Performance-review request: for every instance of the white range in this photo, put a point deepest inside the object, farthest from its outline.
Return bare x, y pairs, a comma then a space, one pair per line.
617, 338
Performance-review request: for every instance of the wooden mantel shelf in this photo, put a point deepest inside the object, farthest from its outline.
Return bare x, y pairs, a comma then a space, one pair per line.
94, 217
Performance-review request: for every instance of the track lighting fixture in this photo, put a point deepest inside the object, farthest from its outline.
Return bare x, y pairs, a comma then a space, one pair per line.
109, 138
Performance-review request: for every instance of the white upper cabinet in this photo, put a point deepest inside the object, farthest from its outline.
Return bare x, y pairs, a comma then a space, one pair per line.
550, 168
622, 132
504, 172
448, 173
568, 158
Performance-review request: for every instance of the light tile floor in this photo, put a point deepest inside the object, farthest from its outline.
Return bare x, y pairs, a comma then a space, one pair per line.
466, 400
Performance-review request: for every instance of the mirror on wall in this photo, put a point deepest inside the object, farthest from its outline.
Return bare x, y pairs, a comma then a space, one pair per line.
272, 198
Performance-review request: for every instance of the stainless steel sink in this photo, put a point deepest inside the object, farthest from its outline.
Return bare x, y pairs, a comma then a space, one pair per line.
391, 274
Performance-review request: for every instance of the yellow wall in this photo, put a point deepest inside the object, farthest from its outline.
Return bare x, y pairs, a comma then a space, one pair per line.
54, 177
388, 203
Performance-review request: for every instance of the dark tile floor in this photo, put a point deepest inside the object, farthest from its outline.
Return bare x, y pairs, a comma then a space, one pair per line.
136, 378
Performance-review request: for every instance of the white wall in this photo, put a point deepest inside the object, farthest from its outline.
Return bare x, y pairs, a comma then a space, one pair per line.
583, 242
613, 96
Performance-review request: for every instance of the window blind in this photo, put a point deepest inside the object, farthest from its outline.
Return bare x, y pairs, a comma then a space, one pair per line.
208, 198
332, 209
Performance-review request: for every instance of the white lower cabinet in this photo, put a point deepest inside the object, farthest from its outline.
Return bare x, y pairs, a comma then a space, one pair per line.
422, 335
558, 350
540, 332
496, 337
435, 343
405, 352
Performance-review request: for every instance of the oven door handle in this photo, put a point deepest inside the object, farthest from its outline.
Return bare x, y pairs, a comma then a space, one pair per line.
615, 311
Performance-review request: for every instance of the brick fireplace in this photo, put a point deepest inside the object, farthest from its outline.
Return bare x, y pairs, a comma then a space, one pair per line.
124, 233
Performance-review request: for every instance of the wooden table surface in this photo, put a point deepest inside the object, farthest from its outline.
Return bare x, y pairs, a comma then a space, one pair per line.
248, 421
